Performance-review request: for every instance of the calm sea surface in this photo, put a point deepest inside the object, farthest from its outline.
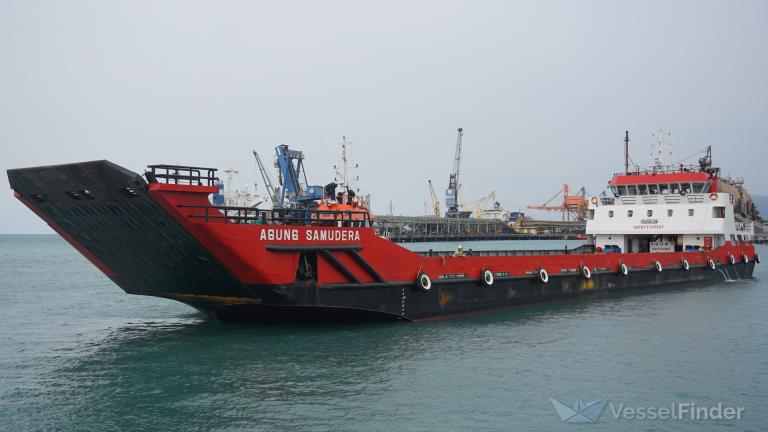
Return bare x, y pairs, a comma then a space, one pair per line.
76, 353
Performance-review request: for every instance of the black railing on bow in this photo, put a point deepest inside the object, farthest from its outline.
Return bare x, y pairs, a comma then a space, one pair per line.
183, 175
280, 216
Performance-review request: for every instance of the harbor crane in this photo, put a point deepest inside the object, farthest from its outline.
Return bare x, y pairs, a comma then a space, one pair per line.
293, 189
271, 189
452, 193
573, 207
479, 206
435, 201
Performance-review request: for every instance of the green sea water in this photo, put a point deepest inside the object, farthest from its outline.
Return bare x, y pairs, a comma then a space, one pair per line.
77, 354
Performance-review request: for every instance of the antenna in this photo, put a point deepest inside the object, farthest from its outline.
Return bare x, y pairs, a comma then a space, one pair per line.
626, 152
659, 153
347, 182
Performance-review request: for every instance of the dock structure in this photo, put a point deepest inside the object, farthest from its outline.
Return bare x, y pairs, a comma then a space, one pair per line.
406, 229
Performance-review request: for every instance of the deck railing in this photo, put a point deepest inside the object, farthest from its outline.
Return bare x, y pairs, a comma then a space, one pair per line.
279, 216
182, 175
581, 250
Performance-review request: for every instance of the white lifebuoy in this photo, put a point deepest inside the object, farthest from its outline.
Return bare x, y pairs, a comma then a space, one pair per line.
731, 259
424, 282
713, 196
586, 272
594, 200
711, 263
685, 264
543, 276
658, 266
745, 258
487, 277
623, 269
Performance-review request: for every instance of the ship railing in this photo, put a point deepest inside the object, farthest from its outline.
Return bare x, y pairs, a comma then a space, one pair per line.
181, 175
667, 169
581, 250
654, 199
280, 216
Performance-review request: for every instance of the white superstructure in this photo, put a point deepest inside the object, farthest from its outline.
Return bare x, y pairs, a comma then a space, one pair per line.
667, 209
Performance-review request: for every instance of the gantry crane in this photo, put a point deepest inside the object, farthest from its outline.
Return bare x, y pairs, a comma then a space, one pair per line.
573, 207
435, 201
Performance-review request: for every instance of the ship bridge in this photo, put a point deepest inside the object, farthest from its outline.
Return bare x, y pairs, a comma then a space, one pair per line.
663, 211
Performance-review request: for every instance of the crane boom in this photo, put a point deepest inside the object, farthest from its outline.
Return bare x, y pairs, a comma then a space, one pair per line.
452, 193
267, 180
435, 201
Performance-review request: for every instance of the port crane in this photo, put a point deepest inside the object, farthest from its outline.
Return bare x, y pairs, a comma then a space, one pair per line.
433, 197
479, 206
293, 189
573, 207
452, 193
271, 189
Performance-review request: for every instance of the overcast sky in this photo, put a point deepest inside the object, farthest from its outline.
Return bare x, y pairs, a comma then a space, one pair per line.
543, 89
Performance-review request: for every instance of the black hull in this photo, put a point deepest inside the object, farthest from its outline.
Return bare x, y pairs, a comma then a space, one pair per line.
354, 303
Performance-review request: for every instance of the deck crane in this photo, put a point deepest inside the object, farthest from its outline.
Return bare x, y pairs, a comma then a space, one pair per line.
435, 201
573, 207
293, 189
271, 189
452, 193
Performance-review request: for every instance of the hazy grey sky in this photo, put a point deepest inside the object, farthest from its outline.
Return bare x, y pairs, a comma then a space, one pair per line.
543, 89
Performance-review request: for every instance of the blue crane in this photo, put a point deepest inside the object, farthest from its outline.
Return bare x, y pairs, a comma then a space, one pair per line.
293, 179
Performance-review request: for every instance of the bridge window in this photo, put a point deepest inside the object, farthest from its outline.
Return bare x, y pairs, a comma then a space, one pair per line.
653, 189
718, 212
642, 189
670, 212
632, 190
675, 188
615, 191
685, 188
650, 213
622, 190
664, 189
698, 187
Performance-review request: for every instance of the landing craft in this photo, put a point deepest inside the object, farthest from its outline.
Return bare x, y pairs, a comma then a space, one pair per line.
158, 234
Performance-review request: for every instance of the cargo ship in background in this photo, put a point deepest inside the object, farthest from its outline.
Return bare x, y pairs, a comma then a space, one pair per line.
316, 257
